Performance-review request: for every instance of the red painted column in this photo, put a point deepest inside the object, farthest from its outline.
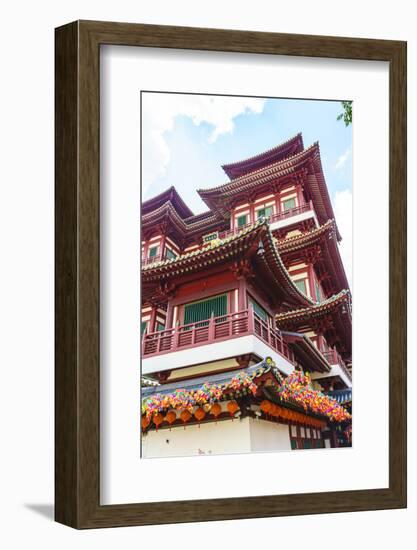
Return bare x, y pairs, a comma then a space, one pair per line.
162, 246
153, 319
145, 249
311, 282
241, 294
170, 311
277, 203
252, 212
300, 195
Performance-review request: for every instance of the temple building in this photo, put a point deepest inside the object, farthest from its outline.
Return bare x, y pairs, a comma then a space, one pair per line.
246, 322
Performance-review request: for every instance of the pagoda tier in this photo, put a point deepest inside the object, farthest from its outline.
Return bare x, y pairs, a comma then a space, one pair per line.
250, 253
319, 247
332, 317
303, 168
170, 195
284, 150
166, 219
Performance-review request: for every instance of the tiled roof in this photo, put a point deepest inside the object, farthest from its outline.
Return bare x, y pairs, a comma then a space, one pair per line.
300, 241
220, 378
341, 396
224, 249
171, 195
279, 152
212, 245
326, 236
317, 309
281, 167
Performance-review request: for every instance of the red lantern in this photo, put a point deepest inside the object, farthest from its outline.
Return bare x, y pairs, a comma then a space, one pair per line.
185, 416
171, 417
216, 410
200, 414
266, 406
158, 419
145, 422
232, 407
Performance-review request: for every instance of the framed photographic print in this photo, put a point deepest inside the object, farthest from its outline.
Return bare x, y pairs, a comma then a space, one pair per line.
230, 274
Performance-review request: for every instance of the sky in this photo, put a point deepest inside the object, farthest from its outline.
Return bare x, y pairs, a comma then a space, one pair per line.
186, 138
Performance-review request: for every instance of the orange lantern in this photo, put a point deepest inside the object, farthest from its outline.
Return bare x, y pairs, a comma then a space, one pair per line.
145, 422
216, 410
185, 416
158, 419
274, 410
200, 414
232, 407
171, 417
266, 406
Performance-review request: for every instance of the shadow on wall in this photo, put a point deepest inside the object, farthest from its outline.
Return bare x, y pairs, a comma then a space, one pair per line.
45, 510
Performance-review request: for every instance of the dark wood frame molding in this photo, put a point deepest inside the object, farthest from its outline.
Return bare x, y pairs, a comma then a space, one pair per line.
77, 404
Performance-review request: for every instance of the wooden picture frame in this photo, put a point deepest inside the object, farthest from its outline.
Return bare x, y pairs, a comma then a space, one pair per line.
77, 405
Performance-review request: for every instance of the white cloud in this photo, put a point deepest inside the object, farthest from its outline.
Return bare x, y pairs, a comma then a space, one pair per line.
158, 117
341, 161
343, 210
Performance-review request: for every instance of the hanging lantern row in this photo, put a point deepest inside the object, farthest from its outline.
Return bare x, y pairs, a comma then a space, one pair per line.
186, 415
296, 387
276, 411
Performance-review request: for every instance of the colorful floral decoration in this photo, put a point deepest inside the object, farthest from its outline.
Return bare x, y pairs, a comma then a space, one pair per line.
294, 388
243, 380
297, 387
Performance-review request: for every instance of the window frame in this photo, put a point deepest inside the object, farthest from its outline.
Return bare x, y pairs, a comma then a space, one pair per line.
283, 201
154, 247
237, 218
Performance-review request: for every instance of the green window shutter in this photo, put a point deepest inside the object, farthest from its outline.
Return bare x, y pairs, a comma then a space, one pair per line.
204, 309
159, 327
318, 294
153, 251
301, 285
293, 444
241, 220
289, 203
260, 312
170, 255
142, 327
307, 444
265, 212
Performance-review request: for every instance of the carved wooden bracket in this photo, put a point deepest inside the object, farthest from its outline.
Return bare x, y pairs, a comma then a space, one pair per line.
242, 268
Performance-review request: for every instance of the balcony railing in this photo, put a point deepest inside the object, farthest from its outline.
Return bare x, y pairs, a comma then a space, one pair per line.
272, 218
234, 231
291, 212
333, 358
216, 329
151, 259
